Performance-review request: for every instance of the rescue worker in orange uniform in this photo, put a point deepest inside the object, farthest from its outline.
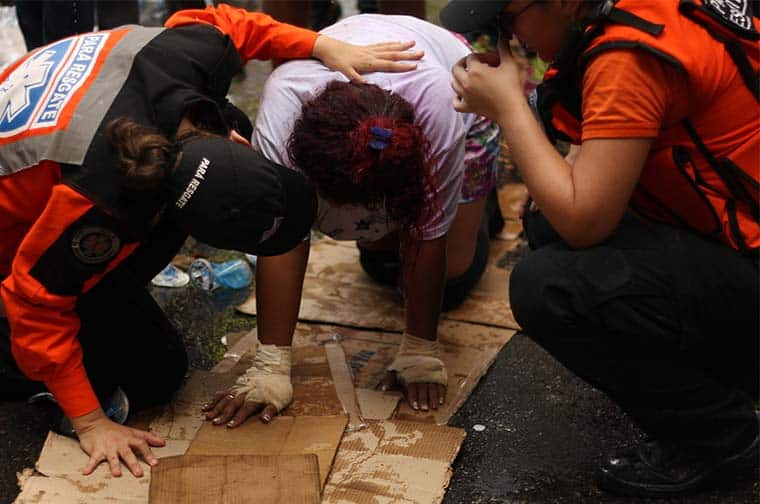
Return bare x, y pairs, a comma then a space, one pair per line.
114, 146
644, 275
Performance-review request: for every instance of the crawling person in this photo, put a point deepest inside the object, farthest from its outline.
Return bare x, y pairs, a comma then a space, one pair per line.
397, 170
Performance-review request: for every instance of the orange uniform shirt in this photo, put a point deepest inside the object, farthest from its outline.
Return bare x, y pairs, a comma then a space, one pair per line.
631, 94
37, 212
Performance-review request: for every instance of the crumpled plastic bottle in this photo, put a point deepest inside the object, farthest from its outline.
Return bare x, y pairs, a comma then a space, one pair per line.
208, 276
171, 276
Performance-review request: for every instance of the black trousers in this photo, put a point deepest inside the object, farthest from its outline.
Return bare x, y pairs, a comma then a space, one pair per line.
661, 319
45, 21
126, 339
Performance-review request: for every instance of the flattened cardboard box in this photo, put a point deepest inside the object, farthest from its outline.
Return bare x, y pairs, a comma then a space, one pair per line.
60, 480
284, 435
337, 291
394, 461
178, 423
233, 479
467, 350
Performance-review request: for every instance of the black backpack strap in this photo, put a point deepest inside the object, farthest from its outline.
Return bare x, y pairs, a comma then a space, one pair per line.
736, 16
734, 186
622, 17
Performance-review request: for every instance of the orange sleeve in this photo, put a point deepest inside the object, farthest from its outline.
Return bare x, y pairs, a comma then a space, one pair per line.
40, 297
631, 94
255, 35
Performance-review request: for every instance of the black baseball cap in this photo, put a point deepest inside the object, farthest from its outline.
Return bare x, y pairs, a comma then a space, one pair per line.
230, 196
469, 15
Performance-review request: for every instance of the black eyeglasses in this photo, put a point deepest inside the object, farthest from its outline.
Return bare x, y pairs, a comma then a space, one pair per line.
506, 20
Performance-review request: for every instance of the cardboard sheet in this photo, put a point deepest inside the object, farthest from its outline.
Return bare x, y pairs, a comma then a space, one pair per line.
60, 480
511, 198
393, 461
467, 351
181, 419
488, 302
377, 405
314, 390
233, 479
337, 291
284, 435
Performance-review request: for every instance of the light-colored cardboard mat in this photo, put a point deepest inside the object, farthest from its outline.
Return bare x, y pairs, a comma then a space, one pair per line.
393, 461
337, 291
467, 349
284, 435
236, 479
59, 478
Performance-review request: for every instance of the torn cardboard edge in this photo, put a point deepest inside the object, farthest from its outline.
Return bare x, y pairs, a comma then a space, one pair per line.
394, 461
59, 480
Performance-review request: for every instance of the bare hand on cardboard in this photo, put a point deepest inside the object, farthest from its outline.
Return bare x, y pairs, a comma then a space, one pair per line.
419, 368
105, 440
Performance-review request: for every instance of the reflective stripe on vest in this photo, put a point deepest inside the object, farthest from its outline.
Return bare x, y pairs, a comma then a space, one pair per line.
40, 93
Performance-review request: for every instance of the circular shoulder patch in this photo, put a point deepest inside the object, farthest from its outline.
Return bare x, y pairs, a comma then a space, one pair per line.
95, 245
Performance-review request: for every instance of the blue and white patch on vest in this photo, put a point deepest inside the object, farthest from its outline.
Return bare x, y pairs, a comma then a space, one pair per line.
734, 12
35, 94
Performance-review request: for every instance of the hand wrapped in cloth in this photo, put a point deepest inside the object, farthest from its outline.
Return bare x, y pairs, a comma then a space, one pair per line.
419, 369
266, 384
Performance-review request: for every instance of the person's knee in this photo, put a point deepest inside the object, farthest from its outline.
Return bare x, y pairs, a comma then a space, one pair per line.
457, 289
382, 266
540, 303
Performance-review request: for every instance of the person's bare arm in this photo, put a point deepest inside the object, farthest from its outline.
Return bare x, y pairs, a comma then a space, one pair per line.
584, 204
279, 281
423, 290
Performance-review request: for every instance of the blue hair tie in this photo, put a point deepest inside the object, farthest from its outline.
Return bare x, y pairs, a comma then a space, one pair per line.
380, 137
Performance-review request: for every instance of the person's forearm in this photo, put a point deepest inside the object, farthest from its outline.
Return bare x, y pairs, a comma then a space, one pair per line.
423, 288
546, 174
279, 282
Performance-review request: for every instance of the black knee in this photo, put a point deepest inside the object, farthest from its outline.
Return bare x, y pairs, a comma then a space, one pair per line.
540, 303
382, 266
457, 289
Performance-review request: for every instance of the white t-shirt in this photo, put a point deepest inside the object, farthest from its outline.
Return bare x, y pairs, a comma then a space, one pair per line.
427, 89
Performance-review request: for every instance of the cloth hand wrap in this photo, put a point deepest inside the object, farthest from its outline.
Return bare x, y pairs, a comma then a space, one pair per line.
267, 381
418, 361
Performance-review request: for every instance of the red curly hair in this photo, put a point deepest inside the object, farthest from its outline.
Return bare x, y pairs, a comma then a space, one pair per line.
333, 144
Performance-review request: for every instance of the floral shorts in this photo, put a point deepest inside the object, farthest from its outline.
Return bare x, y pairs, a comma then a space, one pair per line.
480, 160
